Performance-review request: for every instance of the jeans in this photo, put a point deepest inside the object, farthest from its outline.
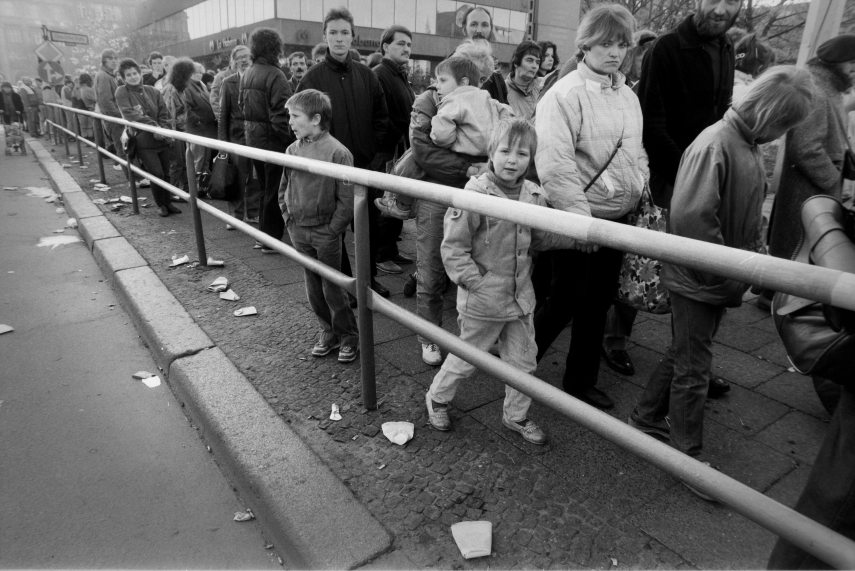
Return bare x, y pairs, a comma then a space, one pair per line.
430, 273
516, 347
270, 215
326, 299
582, 289
619, 322
678, 386
156, 162
829, 495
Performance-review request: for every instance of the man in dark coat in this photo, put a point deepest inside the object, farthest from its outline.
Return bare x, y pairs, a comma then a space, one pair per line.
155, 62
360, 118
264, 90
395, 45
11, 104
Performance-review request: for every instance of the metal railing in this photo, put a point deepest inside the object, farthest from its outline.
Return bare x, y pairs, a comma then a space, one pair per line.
821, 284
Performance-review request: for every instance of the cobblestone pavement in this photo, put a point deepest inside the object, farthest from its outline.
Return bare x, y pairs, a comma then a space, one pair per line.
577, 502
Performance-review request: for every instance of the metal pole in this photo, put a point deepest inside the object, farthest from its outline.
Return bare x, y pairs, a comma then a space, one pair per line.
79, 147
63, 122
133, 186
99, 140
365, 316
194, 207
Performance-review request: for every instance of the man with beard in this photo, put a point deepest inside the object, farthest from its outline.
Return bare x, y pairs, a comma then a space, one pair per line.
478, 25
686, 85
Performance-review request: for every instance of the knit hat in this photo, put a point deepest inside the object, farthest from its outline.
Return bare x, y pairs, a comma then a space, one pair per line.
837, 50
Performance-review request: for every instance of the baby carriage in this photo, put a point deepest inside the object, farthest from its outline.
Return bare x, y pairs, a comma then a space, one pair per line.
14, 138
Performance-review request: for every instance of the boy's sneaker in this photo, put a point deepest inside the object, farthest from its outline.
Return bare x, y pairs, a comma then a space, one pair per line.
528, 429
325, 345
437, 414
431, 354
410, 285
347, 353
661, 431
389, 207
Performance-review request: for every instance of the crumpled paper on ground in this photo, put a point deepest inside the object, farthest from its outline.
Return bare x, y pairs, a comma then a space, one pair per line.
229, 295
334, 413
178, 260
398, 432
219, 284
473, 538
245, 515
246, 311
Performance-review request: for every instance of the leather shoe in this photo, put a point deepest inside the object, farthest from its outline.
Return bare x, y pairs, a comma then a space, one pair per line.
619, 361
163, 211
380, 288
402, 260
594, 397
718, 388
172, 209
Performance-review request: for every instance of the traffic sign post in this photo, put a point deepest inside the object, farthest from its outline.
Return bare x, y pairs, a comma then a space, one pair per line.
51, 72
47, 51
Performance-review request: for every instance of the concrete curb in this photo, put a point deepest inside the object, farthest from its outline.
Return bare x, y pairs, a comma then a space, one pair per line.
312, 518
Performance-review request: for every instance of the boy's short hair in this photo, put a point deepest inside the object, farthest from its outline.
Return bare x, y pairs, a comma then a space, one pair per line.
782, 96
312, 102
127, 64
154, 56
515, 131
459, 67
339, 14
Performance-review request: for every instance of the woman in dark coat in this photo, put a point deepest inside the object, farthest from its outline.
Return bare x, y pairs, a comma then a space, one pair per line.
200, 119
815, 149
144, 104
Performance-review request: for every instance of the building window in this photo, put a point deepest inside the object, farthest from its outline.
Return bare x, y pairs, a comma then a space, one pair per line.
382, 13
288, 9
425, 17
311, 11
361, 10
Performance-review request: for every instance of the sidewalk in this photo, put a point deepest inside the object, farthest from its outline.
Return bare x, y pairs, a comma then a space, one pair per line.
98, 470
578, 502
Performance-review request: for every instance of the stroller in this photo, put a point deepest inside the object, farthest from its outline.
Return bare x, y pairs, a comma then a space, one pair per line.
14, 133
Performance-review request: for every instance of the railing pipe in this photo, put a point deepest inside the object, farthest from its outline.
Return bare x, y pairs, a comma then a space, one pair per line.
99, 142
63, 120
363, 295
194, 206
77, 138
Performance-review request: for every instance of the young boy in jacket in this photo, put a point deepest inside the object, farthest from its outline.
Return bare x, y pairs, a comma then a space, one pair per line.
490, 261
317, 211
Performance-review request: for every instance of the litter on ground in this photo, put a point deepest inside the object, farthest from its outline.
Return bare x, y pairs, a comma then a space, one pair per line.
140, 375
5, 328
219, 284
244, 515
53, 242
473, 538
334, 413
229, 295
178, 260
398, 432
71, 223
246, 311
152, 382
215, 263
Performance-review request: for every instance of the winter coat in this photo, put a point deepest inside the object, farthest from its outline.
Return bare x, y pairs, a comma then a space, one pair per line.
490, 258
87, 95
230, 127
678, 98
175, 105
579, 124
718, 198
307, 199
496, 87
10, 105
149, 78
523, 101
143, 104
200, 116
439, 165
360, 118
466, 120
812, 162
217, 89
105, 92
264, 89
399, 101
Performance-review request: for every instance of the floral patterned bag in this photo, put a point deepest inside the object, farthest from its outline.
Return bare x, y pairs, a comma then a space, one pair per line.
639, 286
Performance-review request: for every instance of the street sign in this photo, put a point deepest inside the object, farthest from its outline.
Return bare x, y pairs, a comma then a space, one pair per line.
68, 38
51, 72
48, 52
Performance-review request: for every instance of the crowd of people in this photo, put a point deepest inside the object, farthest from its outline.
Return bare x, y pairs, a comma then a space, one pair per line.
681, 115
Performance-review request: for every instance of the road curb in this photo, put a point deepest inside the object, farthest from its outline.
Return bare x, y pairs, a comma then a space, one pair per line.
313, 519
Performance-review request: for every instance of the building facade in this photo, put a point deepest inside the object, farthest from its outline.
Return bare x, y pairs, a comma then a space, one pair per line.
207, 31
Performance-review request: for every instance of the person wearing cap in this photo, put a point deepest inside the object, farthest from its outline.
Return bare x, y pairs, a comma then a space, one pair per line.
814, 150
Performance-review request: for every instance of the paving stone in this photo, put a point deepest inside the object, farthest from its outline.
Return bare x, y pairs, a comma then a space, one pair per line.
797, 435
741, 368
747, 338
745, 411
796, 391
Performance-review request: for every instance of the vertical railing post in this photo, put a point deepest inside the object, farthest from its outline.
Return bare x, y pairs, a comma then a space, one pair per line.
365, 316
79, 146
55, 126
64, 134
194, 206
132, 184
99, 141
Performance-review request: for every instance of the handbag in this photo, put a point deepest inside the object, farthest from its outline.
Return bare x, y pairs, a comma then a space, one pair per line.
820, 339
639, 283
222, 184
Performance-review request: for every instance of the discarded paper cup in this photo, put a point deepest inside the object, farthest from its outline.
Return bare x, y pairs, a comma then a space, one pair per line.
246, 311
398, 432
185, 259
216, 263
219, 284
229, 295
334, 413
473, 538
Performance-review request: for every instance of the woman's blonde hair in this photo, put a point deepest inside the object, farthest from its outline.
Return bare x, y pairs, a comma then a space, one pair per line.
480, 53
605, 22
781, 97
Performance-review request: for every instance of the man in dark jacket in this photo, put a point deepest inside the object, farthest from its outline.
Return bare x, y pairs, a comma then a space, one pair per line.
230, 128
263, 93
11, 104
395, 45
686, 85
360, 117
155, 62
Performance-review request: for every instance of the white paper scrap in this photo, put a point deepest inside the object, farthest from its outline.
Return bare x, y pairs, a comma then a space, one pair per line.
219, 284
177, 261
216, 263
71, 223
334, 413
229, 295
246, 311
5, 328
140, 375
152, 382
398, 432
53, 242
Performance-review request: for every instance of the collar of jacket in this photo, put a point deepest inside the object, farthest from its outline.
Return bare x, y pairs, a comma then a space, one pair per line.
107, 71
732, 118
509, 80
400, 70
487, 186
338, 66
690, 39
614, 81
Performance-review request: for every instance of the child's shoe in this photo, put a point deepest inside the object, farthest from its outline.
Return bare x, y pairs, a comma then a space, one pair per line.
347, 353
388, 206
530, 431
437, 414
326, 344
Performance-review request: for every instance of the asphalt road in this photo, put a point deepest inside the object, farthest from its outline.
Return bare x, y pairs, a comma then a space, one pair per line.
97, 469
